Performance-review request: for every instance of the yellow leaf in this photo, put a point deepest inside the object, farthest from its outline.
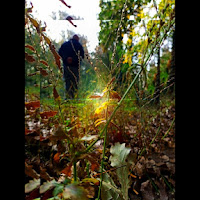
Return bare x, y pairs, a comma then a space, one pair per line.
105, 90
101, 108
93, 180
100, 122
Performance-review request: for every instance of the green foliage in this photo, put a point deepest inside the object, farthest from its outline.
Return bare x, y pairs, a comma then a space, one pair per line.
119, 158
149, 25
109, 189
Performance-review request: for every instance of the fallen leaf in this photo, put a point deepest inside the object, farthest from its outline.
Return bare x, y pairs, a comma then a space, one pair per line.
33, 184
27, 131
58, 134
165, 158
47, 114
94, 166
67, 170
57, 157
47, 186
147, 190
92, 159
34, 195
89, 137
29, 171
32, 105
44, 175
90, 191
74, 192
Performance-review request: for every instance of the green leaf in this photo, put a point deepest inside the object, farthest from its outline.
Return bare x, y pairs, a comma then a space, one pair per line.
66, 181
58, 189
74, 192
109, 190
119, 154
118, 158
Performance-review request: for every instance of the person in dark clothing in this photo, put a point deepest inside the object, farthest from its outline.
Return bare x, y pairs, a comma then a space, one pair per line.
71, 53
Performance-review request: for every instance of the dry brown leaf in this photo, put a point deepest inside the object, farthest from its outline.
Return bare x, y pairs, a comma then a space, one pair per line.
47, 114
29, 171
67, 170
32, 105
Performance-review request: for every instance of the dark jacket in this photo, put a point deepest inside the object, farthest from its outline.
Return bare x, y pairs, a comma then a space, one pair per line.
66, 50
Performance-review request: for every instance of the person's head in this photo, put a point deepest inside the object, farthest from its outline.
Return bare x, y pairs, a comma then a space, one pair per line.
75, 37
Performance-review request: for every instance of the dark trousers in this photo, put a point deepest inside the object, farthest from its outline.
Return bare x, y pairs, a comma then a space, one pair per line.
71, 76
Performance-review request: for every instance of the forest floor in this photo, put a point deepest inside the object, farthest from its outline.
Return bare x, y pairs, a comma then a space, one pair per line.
148, 131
